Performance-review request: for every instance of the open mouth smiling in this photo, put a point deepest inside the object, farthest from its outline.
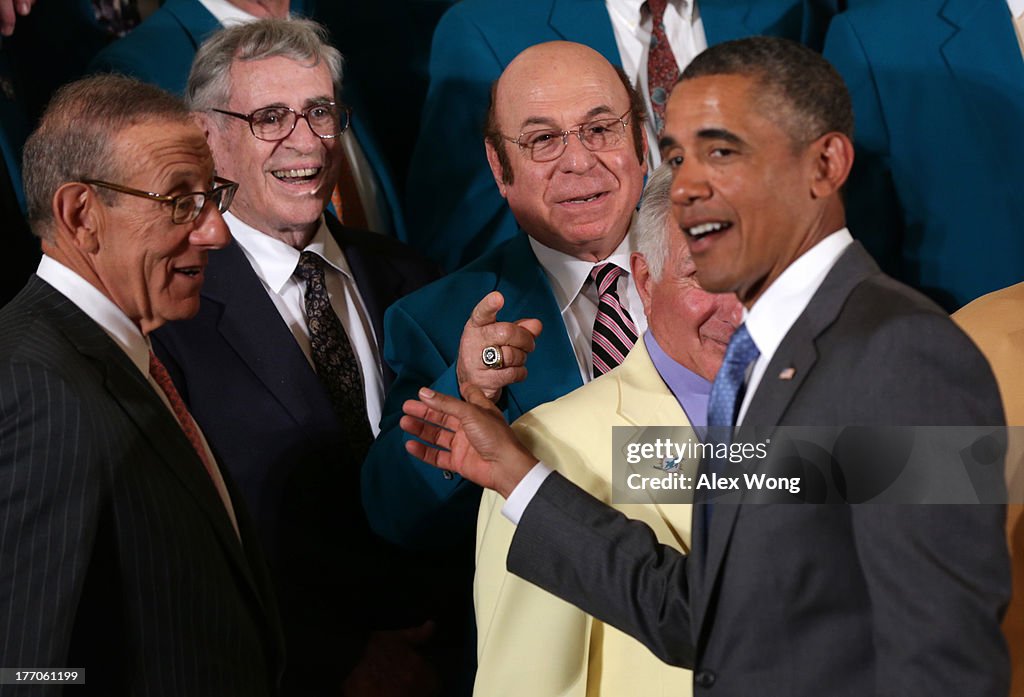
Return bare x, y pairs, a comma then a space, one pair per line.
702, 229
296, 176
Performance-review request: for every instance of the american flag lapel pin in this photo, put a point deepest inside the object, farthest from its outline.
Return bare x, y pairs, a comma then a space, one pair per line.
787, 374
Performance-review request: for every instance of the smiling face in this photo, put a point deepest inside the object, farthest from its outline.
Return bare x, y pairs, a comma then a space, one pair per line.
749, 200
284, 186
147, 265
690, 324
581, 202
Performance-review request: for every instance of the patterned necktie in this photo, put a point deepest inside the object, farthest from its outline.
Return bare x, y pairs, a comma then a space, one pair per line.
159, 374
333, 357
727, 390
662, 71
726, 397
614, 331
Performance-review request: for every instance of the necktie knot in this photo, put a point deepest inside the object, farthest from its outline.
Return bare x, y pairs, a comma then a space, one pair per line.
657, 9
604, 276
310, 267
614, 330
727, 390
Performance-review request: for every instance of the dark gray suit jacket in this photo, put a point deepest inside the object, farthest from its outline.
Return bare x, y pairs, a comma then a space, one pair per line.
812, 599
116, 553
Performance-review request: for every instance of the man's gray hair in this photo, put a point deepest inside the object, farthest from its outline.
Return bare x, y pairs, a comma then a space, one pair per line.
651, 234
76, 135
302, 40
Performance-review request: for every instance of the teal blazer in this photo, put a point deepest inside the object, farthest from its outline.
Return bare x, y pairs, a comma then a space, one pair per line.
454, 210
938, 96
411, 503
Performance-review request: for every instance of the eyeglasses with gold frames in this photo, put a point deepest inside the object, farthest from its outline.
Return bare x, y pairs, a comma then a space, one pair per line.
184, 207
547, 144
273, 123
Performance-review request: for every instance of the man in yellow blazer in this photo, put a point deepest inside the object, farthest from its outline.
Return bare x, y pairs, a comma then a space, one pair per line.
996, 323
530, 642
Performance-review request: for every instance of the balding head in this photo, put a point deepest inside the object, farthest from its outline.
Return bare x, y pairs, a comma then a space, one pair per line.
569, 195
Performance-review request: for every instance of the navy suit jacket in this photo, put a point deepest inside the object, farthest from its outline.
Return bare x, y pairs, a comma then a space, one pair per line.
160, 51
938, 96
117, 554
407, 501
269, 421
454, 209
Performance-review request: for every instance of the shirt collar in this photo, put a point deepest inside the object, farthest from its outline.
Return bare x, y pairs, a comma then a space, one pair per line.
274, 261
226, 13
99, 308
631, 9
690, 390
567, 273
1016, 7
778, 308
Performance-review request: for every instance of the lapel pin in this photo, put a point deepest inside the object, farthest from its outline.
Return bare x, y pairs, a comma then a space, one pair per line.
787, 374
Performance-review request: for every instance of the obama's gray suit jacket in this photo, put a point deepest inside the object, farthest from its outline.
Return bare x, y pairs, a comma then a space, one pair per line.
795, 600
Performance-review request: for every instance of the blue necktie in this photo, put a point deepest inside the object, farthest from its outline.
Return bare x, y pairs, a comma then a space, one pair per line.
727, 396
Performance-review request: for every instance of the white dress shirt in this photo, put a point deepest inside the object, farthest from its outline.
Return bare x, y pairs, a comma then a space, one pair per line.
782, 303
685, 32
274, 263
578, 300
122, 330
768, 322
226, 13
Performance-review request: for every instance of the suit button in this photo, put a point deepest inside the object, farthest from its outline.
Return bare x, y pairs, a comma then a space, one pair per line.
705, 678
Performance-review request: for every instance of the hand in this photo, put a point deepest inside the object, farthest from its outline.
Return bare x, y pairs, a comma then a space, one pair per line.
9, 11
478, 444
392, 667
515, 340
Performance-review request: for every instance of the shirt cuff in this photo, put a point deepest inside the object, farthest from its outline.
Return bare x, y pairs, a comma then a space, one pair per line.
524, 492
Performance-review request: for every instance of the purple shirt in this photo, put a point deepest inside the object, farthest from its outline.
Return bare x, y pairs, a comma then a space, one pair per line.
690, 390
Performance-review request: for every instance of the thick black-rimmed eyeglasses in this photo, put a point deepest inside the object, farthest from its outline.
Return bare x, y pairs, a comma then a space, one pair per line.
273, 123
547, 144
184, 207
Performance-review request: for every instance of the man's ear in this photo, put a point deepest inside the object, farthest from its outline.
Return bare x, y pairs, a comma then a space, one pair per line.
642, 278
833, 158
496, 172
203, 120
76, 216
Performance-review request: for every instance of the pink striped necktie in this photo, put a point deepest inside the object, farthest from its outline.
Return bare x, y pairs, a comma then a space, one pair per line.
614, 331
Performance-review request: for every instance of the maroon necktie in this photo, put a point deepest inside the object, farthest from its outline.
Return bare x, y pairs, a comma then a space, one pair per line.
188, 425
614, 330
662, 71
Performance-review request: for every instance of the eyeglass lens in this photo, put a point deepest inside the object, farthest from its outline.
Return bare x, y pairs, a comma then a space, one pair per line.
275, 123
596, 135
188, 207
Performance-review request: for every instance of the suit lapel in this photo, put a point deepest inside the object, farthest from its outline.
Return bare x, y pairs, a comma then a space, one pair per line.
984, 57
645, 400
251, 324
156, 424
552, 366
768, 406
377, 289
195, 19
585, 22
